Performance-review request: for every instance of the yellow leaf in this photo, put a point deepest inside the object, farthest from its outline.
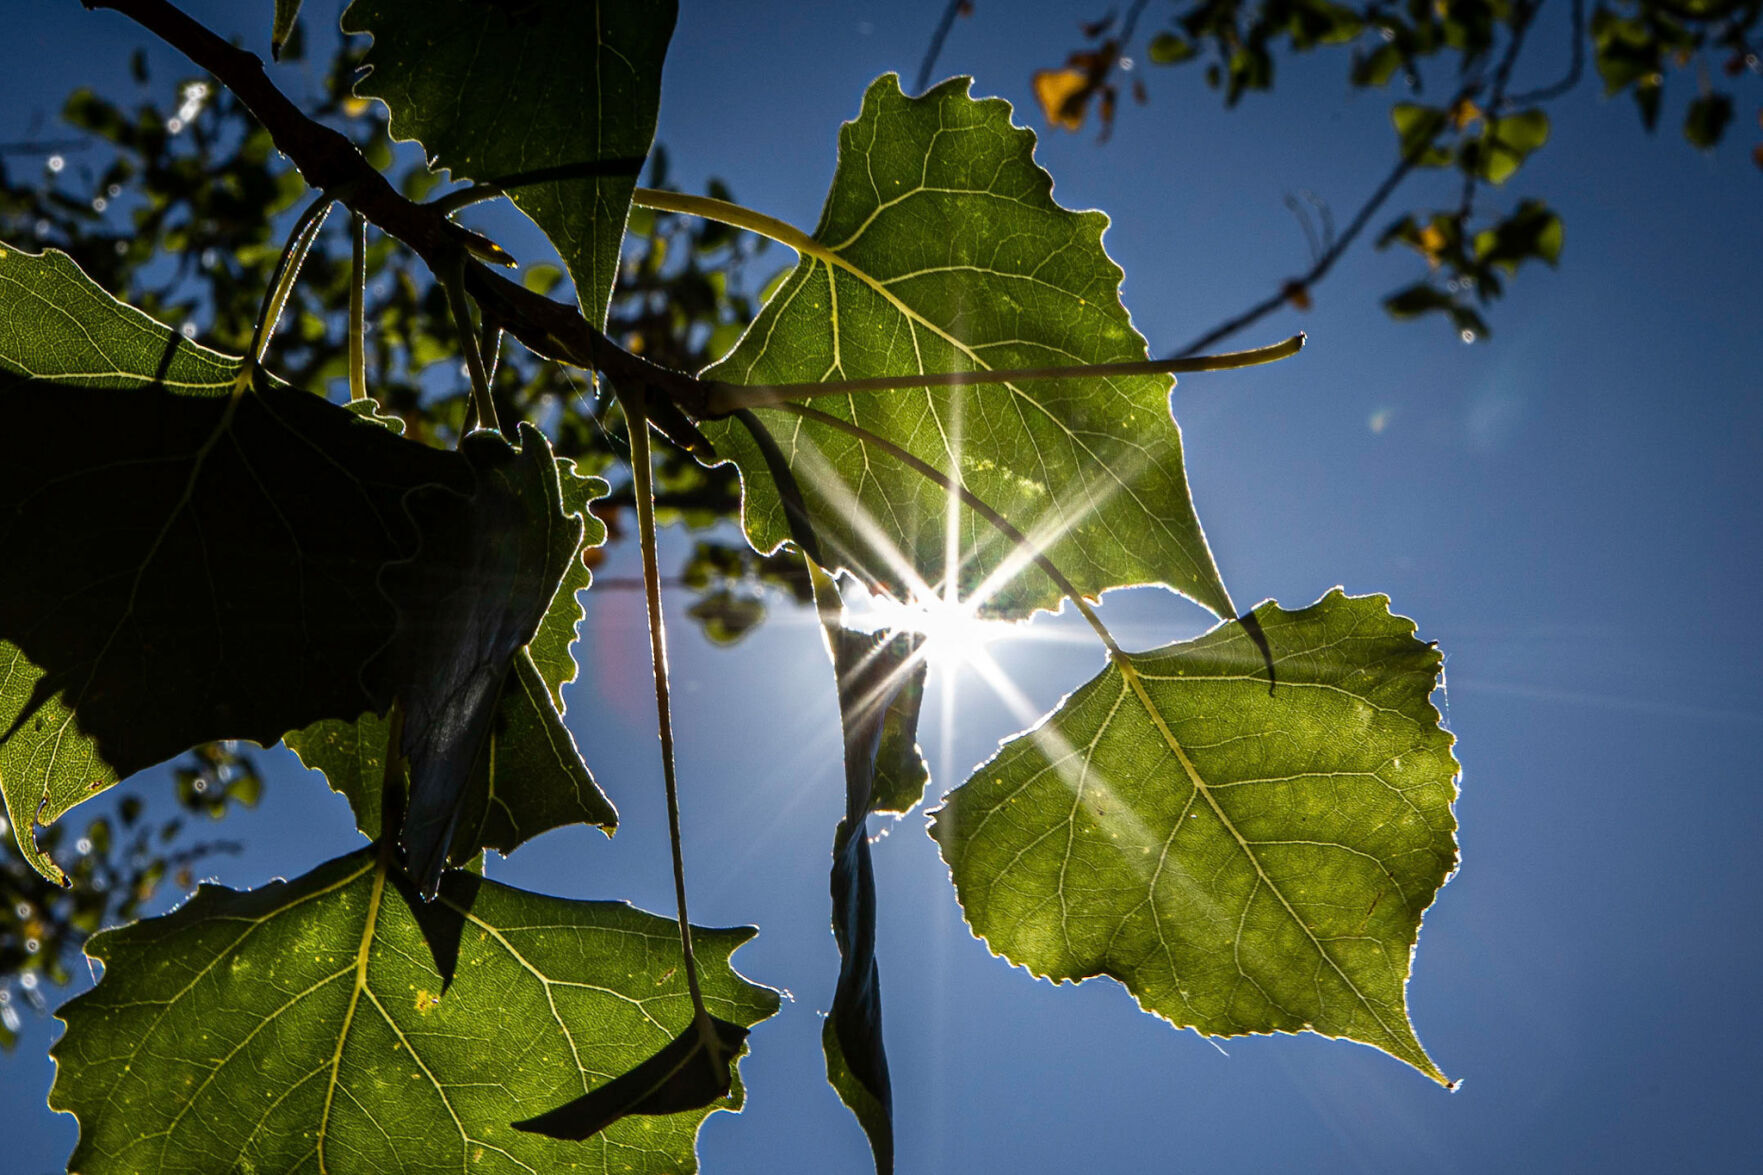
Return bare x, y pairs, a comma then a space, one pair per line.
1063, 95
1432, 243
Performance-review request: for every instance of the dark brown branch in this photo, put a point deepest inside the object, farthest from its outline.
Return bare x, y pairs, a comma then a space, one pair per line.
1410, 159
328, 161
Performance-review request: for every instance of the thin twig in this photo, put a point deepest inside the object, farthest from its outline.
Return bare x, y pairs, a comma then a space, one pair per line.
1574, 69
357, 307
947, 21
636, 419
726, 398
287, 268
1407, 163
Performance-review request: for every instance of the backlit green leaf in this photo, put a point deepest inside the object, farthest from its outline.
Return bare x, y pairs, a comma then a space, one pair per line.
1243, 858
317, 1025
942, 249
1507, 142
286, 13
553, 99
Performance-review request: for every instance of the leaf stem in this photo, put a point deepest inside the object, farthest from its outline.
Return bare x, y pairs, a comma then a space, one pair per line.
482, 401
726, 212
287, 268
357, 307
725, 398
642, 473
973, 502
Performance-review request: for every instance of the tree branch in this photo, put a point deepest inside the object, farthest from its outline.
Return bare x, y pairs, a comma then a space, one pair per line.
329, 162
1575, 67
1326, 261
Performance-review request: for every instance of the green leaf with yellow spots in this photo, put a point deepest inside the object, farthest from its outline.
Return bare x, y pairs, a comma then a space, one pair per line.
338, 1023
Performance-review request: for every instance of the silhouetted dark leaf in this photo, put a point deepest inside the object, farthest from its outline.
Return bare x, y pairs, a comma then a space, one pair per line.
468, 601
554, 98
205, 567
881, 685
1707, 119
286, 13
686, 1074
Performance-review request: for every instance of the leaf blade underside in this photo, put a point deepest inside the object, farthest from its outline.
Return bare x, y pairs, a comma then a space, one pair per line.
202, 567
941, 249
529, 776
1242, 861
268, 1024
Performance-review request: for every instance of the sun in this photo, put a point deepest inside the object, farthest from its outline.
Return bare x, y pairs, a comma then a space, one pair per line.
955, 637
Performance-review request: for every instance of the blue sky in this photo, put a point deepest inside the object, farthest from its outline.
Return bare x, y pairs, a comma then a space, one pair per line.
1571, 510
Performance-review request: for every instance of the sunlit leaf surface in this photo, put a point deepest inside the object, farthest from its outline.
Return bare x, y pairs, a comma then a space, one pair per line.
941, 249
316, 1025
1242, 858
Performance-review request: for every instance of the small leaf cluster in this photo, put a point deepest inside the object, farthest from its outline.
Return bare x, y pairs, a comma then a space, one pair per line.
1484, 128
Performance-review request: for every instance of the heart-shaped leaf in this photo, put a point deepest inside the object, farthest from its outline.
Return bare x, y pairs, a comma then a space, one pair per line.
1242, 859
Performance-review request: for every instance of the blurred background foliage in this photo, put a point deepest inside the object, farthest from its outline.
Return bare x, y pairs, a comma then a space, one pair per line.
1454, 61
175, 200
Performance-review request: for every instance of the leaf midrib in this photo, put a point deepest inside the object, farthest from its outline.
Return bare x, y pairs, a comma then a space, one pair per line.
1130, 675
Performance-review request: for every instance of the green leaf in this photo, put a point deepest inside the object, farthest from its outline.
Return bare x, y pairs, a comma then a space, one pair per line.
528, 776
556, 636
1244, 858
881, 686
1417, 127
941, 249
1377, 67
1533, 230
336, 1022
205, 565
1706, 120
1169, 49
471, 597
286, 12
553, 99
1507, 143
